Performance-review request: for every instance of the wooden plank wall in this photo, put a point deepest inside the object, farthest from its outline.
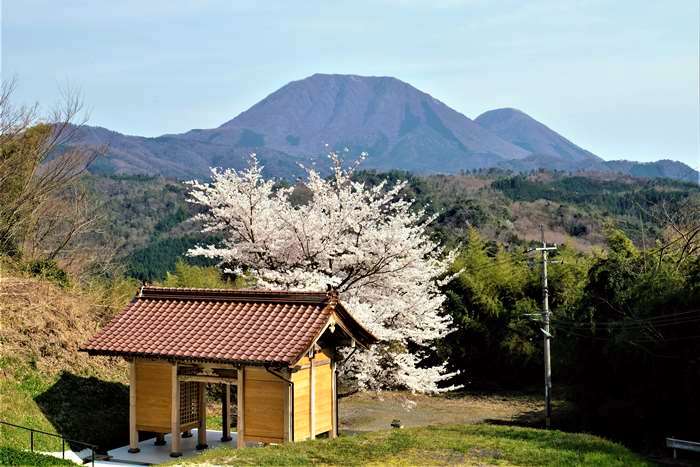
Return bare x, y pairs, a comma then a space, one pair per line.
324, 398
153, 392
302, 395
323, 384
263, 406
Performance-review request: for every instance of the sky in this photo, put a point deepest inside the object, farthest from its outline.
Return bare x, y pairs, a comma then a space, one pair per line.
619, 78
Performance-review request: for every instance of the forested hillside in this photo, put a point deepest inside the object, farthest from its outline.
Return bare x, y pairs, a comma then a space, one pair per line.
147, 220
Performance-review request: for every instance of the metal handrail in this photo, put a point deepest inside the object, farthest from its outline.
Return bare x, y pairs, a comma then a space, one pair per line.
92, 447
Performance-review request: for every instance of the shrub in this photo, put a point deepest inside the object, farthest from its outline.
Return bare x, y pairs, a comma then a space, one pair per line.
208, 277
49, 270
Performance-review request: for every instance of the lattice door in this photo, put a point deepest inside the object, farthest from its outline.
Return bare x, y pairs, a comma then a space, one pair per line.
189, 402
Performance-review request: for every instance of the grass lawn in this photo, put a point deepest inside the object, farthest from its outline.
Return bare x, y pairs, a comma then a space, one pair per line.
67, 404
18, 406
441, 444
11, 456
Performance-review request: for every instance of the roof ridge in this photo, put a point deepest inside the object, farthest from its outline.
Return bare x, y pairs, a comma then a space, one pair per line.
196, 293
301, 292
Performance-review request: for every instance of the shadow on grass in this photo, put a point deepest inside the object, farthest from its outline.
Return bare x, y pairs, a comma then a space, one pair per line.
579, 443
565, 417
88, 409
620, 427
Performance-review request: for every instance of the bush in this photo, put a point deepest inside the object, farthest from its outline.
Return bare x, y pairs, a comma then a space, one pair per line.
208, 277
49, 270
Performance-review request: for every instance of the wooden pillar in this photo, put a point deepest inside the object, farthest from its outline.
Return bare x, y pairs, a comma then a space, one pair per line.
175, 445
288, 417
226, 413
334, 402
312, 398
202, 429
133, 433
240, 408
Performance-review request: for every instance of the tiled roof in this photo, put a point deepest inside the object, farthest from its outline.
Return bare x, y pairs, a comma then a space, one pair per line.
220, 325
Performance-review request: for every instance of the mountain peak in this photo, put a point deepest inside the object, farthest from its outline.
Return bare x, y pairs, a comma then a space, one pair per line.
384, 116
504, 112
342, 76
517, 127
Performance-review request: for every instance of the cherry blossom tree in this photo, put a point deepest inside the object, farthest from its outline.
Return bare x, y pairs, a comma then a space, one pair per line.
368, 243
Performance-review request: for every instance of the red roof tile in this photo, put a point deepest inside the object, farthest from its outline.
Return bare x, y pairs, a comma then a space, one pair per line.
221, 325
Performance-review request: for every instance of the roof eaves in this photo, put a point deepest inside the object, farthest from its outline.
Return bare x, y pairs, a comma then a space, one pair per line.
365, 338
189, 358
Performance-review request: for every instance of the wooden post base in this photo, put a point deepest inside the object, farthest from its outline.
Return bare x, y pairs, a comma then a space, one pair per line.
175, 454
201, 447
134, 450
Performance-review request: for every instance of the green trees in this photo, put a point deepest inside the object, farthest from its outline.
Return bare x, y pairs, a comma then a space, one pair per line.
631, 346
210, 277
490, 302
626, 325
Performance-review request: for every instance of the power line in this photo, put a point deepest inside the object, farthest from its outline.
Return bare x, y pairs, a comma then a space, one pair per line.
634, 340
495, 263
622, 327
665, 320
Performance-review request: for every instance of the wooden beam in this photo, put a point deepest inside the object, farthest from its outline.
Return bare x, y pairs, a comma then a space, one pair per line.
175, 445
201, 364
207, 379
334, 402
312, 400
240, 409
315, 362
202, 428
133, 433
226, 413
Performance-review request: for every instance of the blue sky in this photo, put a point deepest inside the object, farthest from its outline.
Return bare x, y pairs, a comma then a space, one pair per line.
619, 78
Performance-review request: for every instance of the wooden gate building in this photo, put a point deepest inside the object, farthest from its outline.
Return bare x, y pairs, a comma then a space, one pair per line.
277, 349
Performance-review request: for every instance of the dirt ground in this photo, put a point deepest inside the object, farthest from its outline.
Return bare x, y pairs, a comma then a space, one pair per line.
375, 411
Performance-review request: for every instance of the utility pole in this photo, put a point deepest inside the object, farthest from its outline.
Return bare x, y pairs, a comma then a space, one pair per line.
545, 330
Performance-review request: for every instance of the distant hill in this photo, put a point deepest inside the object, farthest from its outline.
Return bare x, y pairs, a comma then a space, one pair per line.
664, 168
399, 126
522, 130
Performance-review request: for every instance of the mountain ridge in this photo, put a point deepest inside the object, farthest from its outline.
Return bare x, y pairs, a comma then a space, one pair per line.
400, 126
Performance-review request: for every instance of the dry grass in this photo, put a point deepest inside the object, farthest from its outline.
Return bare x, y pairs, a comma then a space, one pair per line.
45, 382
45, 325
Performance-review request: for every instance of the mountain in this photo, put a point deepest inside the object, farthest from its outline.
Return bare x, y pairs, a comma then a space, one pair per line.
664, 168
174, 155
399, 126
522, 130
552, 151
